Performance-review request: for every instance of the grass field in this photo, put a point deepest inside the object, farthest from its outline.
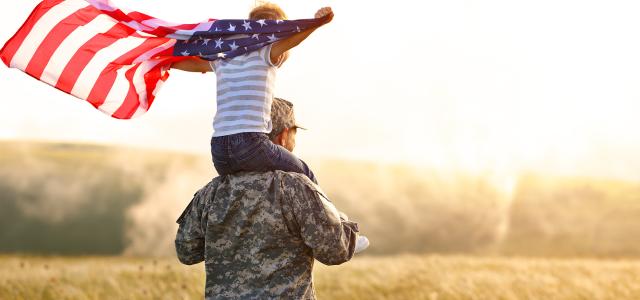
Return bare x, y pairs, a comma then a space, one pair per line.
393, 277
57, 198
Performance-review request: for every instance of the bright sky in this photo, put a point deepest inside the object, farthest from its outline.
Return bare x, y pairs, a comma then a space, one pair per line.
475, 85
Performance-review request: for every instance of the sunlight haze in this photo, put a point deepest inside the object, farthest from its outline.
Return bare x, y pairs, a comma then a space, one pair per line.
499, 86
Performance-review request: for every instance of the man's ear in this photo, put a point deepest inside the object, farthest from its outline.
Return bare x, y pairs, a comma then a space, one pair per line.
282, 137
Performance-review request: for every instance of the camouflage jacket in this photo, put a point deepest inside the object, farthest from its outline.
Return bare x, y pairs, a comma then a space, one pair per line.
259, 233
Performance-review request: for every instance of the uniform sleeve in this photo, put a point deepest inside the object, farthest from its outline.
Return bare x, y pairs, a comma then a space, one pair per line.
331, 237
190, 237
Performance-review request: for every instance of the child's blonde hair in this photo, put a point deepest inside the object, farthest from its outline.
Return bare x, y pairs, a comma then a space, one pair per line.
267, 11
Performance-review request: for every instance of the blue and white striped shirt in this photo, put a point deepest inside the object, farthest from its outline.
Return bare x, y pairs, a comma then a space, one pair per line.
245, 86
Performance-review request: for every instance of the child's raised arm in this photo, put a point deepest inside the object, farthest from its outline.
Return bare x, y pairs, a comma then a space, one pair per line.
281, 47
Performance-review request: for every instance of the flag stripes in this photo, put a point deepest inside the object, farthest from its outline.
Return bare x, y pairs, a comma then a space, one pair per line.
66, 49
117, 59
11, 47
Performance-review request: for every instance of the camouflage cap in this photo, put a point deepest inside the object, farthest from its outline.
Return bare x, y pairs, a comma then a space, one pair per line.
282, 117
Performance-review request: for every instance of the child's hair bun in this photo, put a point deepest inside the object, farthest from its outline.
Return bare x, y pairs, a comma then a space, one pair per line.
268, 11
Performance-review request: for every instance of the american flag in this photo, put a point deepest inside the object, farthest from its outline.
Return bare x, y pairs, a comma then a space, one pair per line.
117, 59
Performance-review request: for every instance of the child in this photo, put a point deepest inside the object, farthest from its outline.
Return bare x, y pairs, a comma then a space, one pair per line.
245, 93
244, 100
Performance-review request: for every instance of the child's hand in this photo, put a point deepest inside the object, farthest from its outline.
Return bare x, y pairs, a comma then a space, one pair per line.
325, 11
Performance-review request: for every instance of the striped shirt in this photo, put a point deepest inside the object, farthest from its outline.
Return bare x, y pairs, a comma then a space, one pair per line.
245, 86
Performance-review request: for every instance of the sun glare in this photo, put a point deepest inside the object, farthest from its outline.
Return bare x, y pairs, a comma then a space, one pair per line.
450, 84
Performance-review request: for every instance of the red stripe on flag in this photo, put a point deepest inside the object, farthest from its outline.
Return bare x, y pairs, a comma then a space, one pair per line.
161, 31
108, 76
83, 56
13, 44
138, 16
131, 102
116, 14
151, 80
101, 88
56, 36
169, 52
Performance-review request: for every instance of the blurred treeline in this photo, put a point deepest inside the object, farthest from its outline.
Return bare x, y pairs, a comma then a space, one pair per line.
80, 199
417, 211
75, 199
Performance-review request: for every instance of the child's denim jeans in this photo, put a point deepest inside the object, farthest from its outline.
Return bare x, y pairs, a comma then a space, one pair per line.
253, 151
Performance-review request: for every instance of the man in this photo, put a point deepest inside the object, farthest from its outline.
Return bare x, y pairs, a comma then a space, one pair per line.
259, 233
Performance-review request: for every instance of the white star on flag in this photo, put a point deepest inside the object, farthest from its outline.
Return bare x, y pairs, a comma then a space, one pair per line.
272, 38
256, 36
231, 27
222, 55
206, 42
219, 43
262, 23
185, 53
246, 25
233, 46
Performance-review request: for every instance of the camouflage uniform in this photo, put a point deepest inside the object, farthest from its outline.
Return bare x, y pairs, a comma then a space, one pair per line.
259, 233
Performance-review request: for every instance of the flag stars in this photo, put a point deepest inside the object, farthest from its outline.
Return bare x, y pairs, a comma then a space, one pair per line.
205, 42
231, 27
246, 25
278, 21
219, 43
256, 36
262, 23
185, 53
298, 29
233, 46
221, 55
272, 38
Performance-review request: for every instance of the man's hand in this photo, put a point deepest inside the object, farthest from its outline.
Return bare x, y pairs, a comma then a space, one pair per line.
325, 11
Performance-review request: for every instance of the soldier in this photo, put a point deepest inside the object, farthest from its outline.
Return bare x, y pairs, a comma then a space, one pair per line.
260, 232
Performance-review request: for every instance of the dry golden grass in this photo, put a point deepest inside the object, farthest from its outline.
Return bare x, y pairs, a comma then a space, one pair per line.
453, 277
97, 278
393, 277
